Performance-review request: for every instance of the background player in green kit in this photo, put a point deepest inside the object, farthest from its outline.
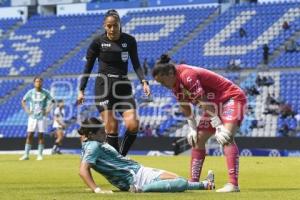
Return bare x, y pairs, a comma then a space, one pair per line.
123, 173
40, 103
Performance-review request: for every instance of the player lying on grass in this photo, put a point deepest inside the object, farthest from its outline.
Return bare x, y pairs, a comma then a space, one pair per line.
123, 173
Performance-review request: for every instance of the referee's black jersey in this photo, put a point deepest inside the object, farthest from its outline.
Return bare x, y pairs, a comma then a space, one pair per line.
112, 56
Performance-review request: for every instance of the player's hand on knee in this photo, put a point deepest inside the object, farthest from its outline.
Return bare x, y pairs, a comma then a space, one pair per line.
192, 136
223, 136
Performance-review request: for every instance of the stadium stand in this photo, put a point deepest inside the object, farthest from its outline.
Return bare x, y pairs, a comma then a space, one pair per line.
153, 29
6, 24
36, 46
220, 42
39, 43
6, 86
162, 28
14, 120
289, 57
75, 64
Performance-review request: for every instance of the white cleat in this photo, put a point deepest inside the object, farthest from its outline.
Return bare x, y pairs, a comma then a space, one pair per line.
210, 180
229, 187
24, 157
39, 158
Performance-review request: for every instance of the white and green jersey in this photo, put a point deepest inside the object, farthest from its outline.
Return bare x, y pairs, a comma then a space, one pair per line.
38, 102
118, 170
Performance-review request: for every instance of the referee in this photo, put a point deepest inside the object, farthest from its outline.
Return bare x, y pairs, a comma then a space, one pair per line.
113, 91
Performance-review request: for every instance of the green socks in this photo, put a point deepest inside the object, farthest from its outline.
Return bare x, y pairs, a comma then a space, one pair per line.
168, 185
40, 149
27, 149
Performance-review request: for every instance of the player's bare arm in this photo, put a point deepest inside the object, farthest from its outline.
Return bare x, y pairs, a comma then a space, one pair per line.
85, 174
24, 106
49, 108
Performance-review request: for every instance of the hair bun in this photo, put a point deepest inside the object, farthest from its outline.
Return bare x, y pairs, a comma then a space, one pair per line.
165, 58
112, 12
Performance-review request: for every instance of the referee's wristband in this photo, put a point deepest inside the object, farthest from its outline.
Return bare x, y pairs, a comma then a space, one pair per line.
144, 81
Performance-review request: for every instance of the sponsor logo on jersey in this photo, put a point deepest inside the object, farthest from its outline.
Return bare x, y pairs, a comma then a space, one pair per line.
228, 114
103, 103
124, 45
105, 45
124, 56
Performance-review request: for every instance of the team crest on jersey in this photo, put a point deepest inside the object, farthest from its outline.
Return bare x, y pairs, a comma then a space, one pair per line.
38, 97
124, 45
124, 56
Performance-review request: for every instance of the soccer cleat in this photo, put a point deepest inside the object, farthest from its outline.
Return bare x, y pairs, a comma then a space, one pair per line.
24, 157
39, 157
210, 180
229, 187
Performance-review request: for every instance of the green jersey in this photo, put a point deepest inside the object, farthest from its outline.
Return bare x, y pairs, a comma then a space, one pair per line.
38, 102
118, 170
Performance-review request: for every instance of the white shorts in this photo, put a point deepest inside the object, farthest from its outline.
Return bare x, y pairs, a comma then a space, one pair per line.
146, 175
39, 125
57, 127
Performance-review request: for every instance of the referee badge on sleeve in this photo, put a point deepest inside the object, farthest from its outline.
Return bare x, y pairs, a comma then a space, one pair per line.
124, 56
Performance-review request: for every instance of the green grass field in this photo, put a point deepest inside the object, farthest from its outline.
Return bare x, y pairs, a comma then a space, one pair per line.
56, 178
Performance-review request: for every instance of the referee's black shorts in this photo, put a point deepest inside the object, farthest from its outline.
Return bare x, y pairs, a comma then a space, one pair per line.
113, 92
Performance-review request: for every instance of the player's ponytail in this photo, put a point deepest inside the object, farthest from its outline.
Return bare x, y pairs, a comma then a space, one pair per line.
163, 66
164, 58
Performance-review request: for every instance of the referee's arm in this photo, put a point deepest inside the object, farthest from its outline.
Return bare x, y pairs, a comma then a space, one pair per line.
90, 61
135, 61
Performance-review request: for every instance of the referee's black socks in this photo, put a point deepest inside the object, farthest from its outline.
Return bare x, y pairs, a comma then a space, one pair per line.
127, 142
113, 140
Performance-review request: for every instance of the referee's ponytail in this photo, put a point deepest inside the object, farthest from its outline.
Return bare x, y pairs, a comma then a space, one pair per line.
163, 66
